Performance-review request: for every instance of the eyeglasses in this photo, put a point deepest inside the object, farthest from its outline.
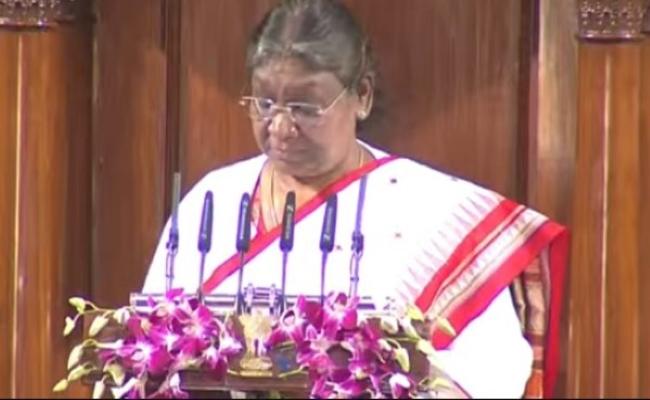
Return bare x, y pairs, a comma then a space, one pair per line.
303, 114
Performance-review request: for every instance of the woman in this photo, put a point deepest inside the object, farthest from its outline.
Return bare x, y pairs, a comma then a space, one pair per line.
450, 247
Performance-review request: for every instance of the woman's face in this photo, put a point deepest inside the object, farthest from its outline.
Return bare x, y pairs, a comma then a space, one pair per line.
304, 146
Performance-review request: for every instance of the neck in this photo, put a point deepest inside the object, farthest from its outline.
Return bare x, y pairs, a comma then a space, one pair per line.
314, 184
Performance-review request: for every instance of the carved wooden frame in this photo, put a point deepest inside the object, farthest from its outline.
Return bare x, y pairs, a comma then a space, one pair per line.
39, 13
615, 20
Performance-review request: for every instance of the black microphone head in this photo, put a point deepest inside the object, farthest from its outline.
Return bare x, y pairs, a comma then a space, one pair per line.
286, 240
328, 233
244, 224
205, 231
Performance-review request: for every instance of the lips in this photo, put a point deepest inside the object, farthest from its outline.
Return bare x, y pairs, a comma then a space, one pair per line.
286, 154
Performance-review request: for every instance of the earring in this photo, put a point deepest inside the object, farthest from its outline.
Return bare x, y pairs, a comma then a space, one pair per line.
361, 115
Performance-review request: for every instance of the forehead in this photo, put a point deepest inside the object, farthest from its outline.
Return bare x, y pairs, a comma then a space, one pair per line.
291, 74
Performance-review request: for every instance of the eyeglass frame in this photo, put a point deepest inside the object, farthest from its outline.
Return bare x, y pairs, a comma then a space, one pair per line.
320, 110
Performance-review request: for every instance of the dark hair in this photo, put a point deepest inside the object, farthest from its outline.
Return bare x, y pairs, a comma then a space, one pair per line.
322, 33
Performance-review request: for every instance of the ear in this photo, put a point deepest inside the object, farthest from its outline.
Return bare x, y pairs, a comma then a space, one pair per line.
365, 93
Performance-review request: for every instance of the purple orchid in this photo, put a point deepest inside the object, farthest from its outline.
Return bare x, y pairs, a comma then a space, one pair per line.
340, 313
178, 333
372, 363
401, 386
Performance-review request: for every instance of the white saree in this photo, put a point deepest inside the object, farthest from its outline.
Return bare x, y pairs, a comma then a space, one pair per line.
447, 245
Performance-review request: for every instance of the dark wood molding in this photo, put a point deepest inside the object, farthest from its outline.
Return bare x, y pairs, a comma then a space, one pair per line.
618, 20
41, 13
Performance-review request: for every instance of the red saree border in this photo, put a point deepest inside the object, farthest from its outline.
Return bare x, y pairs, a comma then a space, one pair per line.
263, 240
475, 238
549, 234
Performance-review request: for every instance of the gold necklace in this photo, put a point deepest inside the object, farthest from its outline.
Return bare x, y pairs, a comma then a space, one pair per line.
274, 211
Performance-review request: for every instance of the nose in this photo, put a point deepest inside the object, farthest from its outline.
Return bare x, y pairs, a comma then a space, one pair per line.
282, 126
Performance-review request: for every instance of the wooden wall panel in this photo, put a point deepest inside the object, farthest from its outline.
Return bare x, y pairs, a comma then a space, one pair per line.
8, 110
48, 141
214, 129
129, 144
644, 245
552, 144
451, 97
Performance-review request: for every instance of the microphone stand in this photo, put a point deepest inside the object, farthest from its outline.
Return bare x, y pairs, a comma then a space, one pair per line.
172, 250
205, 238
286, 243
240, 279
172, 242
327, 240
202, 268
323, 263
357, 241
243, 244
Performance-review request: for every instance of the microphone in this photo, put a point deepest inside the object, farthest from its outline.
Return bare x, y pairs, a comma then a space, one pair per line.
205, 237
357, 240
286, 240
327, 236
172, 242
243, 242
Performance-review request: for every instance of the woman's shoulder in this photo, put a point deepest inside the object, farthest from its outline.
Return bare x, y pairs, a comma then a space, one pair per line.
424, 186
420, 180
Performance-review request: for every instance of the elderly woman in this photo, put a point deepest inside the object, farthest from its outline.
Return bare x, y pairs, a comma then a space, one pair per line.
454, 249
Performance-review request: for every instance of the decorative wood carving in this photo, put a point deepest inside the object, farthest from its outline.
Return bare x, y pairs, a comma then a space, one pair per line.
39, 13
610, 19
646, 20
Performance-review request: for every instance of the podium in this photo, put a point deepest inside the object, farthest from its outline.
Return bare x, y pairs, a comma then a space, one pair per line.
246, 372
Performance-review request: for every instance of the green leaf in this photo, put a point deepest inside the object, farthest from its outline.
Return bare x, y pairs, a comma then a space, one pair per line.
75, 356
424, 346
90, 343
60, 386
408, 328
439, 383
79, 372
414, 314
435, 362
446, 327
117, 373
402, 358
392, 343
78, 303
97, 325
69, 326
389, 325
119, 392
121, 316
98, 390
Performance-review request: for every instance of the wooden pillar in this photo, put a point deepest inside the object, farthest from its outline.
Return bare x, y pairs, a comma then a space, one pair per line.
45, 131
604, 276
550, 139
644, 276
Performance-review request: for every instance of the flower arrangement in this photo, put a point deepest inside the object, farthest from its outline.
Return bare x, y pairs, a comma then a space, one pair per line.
345, 354
374, 359
151, 348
